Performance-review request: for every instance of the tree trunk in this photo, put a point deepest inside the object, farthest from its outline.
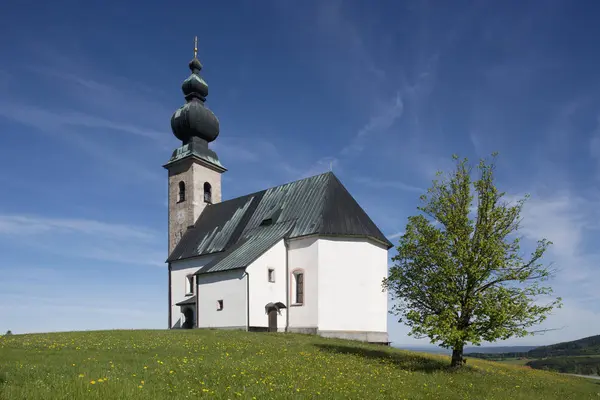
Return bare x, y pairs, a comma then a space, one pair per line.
457, 356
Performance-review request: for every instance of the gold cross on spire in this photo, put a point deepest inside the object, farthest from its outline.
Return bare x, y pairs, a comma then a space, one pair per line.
195, 46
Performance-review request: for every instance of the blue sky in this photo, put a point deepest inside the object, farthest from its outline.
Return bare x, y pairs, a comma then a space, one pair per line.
383, 94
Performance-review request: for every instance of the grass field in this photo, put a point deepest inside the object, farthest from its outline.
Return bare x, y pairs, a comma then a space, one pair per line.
228, 365
515, 361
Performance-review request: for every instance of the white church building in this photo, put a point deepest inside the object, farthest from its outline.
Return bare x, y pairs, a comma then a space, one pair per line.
300, 257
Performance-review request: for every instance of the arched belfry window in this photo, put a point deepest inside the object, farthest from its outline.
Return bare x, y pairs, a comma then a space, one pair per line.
181, 192
207, 193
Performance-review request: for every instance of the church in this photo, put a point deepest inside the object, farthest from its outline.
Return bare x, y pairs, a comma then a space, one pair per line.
300, 257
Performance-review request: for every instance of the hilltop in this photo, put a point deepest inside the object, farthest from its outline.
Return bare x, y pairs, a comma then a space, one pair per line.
235, 364
587, 346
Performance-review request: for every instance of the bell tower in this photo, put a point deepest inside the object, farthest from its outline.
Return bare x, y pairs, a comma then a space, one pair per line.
194, 169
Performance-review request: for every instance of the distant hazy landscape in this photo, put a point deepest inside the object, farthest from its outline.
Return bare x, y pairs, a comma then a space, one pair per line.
580, 356
471, 349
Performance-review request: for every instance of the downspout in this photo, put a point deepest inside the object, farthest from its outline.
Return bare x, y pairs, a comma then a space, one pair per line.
197, 296
287, 286
247, 301
170, 307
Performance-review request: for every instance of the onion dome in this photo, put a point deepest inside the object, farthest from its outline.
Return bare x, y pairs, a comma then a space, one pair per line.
194, 119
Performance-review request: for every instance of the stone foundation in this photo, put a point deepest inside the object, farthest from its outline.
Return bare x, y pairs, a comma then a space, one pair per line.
370, 337
361, 336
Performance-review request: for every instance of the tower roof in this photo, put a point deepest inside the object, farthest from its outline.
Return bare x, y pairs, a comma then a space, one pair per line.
194, 119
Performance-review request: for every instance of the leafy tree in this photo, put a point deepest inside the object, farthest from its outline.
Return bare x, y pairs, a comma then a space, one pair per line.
459, 275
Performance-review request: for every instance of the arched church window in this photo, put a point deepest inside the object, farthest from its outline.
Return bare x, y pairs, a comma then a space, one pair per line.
207, 193
181, 192
298, 291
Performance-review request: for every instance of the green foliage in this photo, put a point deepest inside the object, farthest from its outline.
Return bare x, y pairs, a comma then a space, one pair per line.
459, 275
197, 363
8, 332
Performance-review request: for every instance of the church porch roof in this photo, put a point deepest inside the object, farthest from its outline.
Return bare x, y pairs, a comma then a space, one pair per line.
189, 301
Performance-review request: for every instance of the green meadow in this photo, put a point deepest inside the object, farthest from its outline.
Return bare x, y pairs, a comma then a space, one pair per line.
515, 361
186, 364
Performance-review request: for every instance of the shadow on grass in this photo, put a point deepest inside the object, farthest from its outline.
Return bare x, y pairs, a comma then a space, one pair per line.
406, 361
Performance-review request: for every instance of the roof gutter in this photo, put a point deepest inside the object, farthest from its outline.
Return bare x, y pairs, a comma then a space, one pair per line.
386, 244
287, 285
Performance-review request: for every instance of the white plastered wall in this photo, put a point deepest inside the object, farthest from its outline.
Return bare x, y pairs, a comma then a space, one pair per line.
262, 291
228, 286
303, 256
350, 277
179, 272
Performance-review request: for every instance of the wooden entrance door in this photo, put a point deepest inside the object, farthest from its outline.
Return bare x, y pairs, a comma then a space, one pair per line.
188, 313
273, 320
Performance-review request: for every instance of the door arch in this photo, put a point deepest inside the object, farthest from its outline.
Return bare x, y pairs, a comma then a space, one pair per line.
272, 310
273, 320
189, 322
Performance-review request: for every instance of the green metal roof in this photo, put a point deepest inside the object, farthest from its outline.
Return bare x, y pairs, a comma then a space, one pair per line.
316, 205
196, 148
254, 244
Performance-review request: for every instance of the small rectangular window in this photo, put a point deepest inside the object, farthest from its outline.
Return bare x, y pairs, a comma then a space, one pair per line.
219, 305
271, 275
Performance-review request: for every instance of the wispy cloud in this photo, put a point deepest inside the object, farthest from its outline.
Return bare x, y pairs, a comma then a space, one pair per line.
92, 112
79, 129
388, 184
32, 225
5, 78
234, 149
575, 320
322, 165
395, 235
84, 239
56, 120
383, 119
281, 162
568, 221
348, 40
595, 146
81, 80
355, 49
51, 299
